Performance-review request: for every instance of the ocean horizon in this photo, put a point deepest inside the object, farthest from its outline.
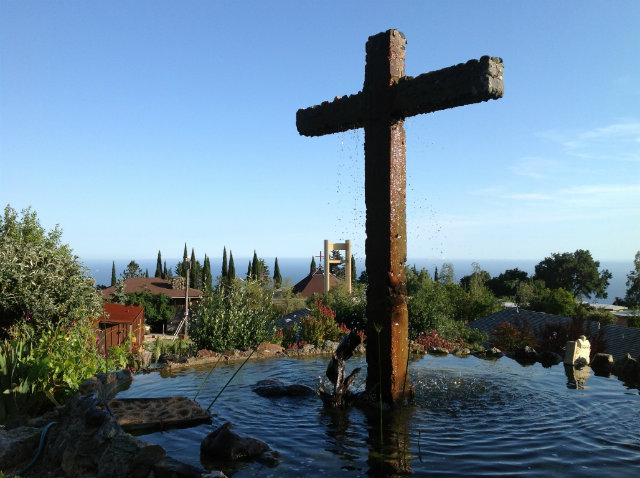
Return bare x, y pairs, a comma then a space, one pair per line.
294, 269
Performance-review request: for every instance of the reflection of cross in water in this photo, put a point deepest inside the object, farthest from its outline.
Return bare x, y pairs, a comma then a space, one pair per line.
388, 96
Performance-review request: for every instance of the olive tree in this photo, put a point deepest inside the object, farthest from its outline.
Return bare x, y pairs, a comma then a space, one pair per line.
41, 281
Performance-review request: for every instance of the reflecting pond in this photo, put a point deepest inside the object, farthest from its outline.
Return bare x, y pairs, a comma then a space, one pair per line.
471, 417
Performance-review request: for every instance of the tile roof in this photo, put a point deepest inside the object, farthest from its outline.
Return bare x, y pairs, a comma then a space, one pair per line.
121, 314
155, 285
620, 340
314, 283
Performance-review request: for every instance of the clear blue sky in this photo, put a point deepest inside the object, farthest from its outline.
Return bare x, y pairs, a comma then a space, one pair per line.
141, 125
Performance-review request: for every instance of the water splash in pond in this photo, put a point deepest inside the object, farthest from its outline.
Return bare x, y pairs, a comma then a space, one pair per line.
471, 418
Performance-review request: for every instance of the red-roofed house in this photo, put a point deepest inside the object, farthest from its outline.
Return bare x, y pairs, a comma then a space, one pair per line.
120, 323
175, 289
314, 283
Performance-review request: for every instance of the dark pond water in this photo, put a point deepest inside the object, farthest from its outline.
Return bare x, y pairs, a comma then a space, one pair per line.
471, 418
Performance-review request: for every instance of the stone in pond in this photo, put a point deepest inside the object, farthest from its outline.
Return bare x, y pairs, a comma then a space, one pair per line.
602, 364
276, 388
525, 355
226, 445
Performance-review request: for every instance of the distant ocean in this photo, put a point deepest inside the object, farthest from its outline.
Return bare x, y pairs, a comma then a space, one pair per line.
295, 269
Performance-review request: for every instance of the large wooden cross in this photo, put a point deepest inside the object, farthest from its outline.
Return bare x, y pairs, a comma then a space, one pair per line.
388, 96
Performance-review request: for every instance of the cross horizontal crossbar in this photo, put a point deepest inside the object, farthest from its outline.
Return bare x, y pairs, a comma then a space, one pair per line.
472, 82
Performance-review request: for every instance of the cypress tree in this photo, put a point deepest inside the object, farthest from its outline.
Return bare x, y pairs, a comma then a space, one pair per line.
255, 267
113, 273
207, 279
146, 273
232, 268
158, 266
312, 266
164, 271
194, 275
225, 271
277, 278
353, 269
181, 268
435, 275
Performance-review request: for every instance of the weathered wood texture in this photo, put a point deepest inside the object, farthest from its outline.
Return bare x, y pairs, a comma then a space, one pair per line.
388, 96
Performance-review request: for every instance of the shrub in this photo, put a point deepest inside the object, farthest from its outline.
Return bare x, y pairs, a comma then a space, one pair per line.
239, 316
320, 325
41, 281
349, 309
287, 336
508, 338
37, 374
431, 338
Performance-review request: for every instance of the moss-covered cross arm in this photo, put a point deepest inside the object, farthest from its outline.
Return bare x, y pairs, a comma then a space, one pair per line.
388, 96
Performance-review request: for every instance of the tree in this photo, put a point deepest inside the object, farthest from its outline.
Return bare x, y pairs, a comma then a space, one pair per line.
132, 271
113, 273
435, 275
196, 270
157, 307
576, 272
447, 275
632, 297
158, 266
312, 266
166, 273
477, 278
554, 301
146, 273
225, 270
207, 277
183, 267
364, 278
337, 269
231, 276
353, 269
118, 296
277, 278
506, 284
41, 281
258, 270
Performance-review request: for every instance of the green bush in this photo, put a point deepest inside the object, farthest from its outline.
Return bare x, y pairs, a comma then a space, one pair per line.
37, 374
157, 307
41, 282
321, 325
287, 336
349, 308
554, 301
508, 338
238, 316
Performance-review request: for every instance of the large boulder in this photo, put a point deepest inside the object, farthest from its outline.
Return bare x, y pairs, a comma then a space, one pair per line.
225, 445
548, 358
276, 388
525, 355
602, 364
17, 446
627, 369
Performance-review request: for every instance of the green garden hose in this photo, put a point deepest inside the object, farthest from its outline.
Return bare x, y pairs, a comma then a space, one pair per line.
43, 436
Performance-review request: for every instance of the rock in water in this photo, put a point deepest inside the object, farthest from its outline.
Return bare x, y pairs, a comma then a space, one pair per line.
223, 444
275, 388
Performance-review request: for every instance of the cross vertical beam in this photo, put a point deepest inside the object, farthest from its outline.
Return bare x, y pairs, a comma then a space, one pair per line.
386, 243
388, 96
